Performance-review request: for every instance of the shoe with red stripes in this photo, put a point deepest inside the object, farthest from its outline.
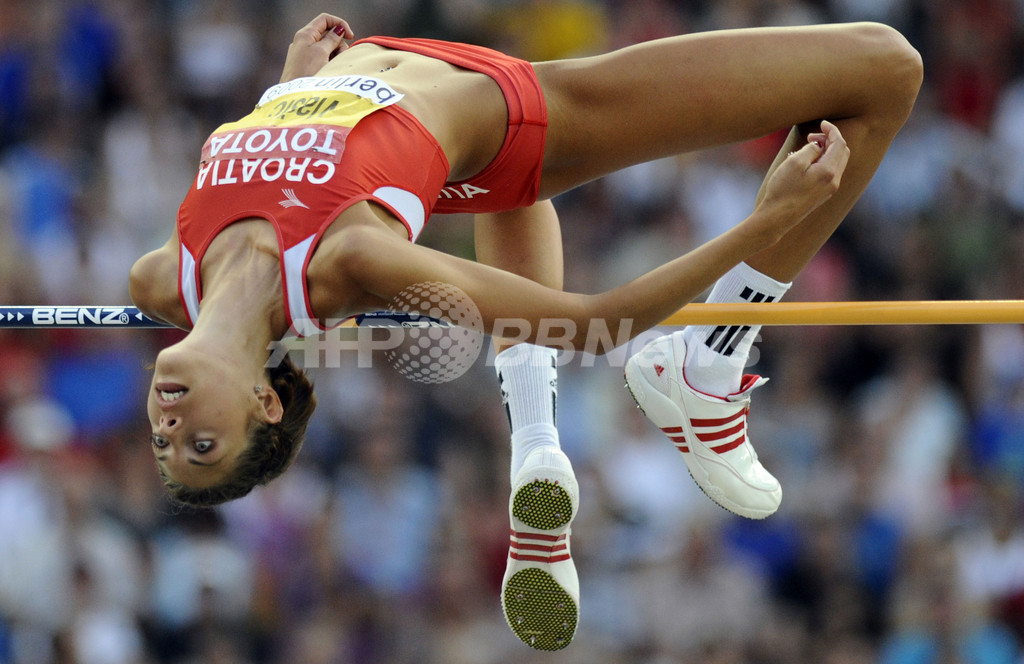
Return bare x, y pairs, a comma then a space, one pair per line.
540, 592
710, 431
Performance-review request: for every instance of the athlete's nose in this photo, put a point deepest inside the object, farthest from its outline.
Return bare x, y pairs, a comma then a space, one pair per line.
169, 421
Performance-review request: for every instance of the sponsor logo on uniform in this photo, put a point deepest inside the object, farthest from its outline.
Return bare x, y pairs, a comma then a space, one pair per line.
461, 191
291, 200
324, 141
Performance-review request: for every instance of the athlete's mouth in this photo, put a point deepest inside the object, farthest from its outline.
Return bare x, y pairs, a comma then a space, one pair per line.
170, 393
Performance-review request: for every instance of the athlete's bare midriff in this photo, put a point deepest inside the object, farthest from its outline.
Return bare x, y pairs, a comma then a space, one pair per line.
437, 94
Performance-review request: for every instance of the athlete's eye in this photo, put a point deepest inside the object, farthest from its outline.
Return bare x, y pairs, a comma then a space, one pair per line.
159, 441
203, 446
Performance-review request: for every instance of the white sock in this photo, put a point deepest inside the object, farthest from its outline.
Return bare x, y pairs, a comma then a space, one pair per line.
717, 355
529, 390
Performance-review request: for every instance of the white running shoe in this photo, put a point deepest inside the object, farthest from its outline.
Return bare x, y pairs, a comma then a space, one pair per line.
541, 592
710, 431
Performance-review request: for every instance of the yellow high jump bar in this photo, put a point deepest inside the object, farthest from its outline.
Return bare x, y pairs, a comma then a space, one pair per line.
909, 312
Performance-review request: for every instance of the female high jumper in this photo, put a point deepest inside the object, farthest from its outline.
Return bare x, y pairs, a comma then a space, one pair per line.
307, 210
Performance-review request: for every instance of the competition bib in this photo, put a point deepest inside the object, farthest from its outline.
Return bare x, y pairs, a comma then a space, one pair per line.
307, 117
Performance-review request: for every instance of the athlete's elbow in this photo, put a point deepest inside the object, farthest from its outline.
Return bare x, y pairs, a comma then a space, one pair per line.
353, 255
141, 285
353, 246
135, 285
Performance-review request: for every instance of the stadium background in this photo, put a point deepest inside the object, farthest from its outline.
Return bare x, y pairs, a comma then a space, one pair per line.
901, 449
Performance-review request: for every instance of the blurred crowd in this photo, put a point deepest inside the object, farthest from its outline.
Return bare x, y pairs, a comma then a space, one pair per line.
901, 449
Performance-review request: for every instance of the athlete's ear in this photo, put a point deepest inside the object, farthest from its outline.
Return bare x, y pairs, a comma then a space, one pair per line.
271, 410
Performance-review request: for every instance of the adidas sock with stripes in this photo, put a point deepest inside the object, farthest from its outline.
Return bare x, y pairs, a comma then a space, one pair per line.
528, 378
716, 355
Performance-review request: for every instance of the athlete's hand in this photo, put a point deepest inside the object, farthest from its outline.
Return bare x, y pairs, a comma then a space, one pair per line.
314, 45
805, 179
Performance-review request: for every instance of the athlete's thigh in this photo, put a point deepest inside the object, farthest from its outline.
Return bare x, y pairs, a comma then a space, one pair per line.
695, 91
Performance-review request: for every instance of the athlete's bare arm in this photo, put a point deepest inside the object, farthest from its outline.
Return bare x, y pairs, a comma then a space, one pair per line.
371, 263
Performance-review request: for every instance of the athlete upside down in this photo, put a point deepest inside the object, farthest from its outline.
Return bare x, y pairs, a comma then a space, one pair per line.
308, 208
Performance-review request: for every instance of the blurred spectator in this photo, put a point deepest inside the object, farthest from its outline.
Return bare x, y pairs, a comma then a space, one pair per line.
203, 583
15, 72
216, 54
44, 189
933, 623
702, 600
971, 51
990, 556
909, 425
649, 509
102, 633
384, 516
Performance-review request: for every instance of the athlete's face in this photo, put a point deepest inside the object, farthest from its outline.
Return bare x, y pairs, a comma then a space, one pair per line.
200, 409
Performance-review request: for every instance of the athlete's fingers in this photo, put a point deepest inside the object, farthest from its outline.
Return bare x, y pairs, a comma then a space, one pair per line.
337, 31
813, 173
819, 138
324, 26
805, 179
333, 41
325, 23
836, 152
341, 28
830, 135
806, 155
314, 45
828, 168
829, 142
343, 34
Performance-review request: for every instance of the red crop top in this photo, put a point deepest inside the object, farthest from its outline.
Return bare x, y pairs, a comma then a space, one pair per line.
314, 146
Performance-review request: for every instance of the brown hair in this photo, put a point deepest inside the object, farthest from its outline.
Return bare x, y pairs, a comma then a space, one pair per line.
271, 448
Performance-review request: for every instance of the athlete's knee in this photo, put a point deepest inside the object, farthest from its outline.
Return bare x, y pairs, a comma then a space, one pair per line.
897, 69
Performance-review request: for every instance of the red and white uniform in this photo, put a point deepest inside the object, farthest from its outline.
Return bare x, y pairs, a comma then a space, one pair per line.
512, 179
317, 145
